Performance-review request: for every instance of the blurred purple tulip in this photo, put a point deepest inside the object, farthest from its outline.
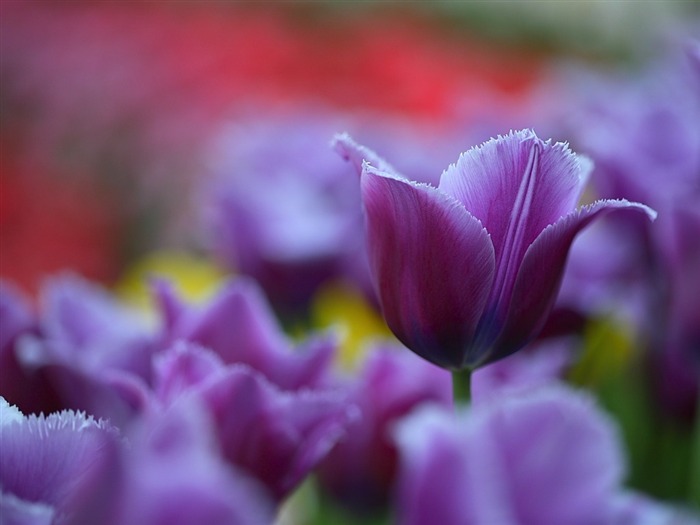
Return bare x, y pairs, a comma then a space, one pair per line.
544, 456
24, 387
181, 368
16, 315
361, 469
282, 207
675, 360
694, 53
48, 464
467, 272
541, 363
642, 132
87, 326
240, 327
607, 274
169, 470
276, 436
85, 351
632, 508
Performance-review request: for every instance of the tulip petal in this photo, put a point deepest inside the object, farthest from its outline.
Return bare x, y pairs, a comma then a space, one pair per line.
694, 54
541, 272
277, 436
542, 457
356, 154
361, 469
516, 185
50, 459
171, 472
182, 367
240, 326
15, 511
433, 265
21, 387
90, 330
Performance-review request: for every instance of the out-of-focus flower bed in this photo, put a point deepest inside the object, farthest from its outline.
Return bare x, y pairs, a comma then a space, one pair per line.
192, 302
129, 98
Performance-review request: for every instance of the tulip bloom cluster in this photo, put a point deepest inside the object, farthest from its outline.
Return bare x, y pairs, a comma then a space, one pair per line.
236, 410
655, 157
215, 402
246, 409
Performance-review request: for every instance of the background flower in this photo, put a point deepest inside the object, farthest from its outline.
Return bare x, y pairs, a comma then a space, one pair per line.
545, 456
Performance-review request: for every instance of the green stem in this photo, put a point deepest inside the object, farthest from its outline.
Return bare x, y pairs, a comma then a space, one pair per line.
461, 387
695, 451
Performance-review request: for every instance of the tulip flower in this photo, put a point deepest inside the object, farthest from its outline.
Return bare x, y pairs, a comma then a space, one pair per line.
88, 328
81, 350
548, 455
276, 436
467, 272
676, 361
360, 471
238, 324
644, 136
282, 208
48, 463
171, 471
30, 392
542, 362
87, 352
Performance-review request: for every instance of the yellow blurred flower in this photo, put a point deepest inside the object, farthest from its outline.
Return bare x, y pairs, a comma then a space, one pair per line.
341, 305
195, 278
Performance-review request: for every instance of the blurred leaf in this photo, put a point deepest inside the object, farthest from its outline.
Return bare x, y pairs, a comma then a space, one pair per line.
607, 350
694, 492
659, 449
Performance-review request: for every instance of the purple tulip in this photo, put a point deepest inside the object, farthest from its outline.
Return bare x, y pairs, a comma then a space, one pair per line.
633, 508
541, 363
276, 436
25, 388
89, 351
168, 469
89, 328
675, 363
467, 272
15, 314
82, 350
282, 207
543, 456
644, 136
607, 273
48, 463
181, 368
239, 325
361, 469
